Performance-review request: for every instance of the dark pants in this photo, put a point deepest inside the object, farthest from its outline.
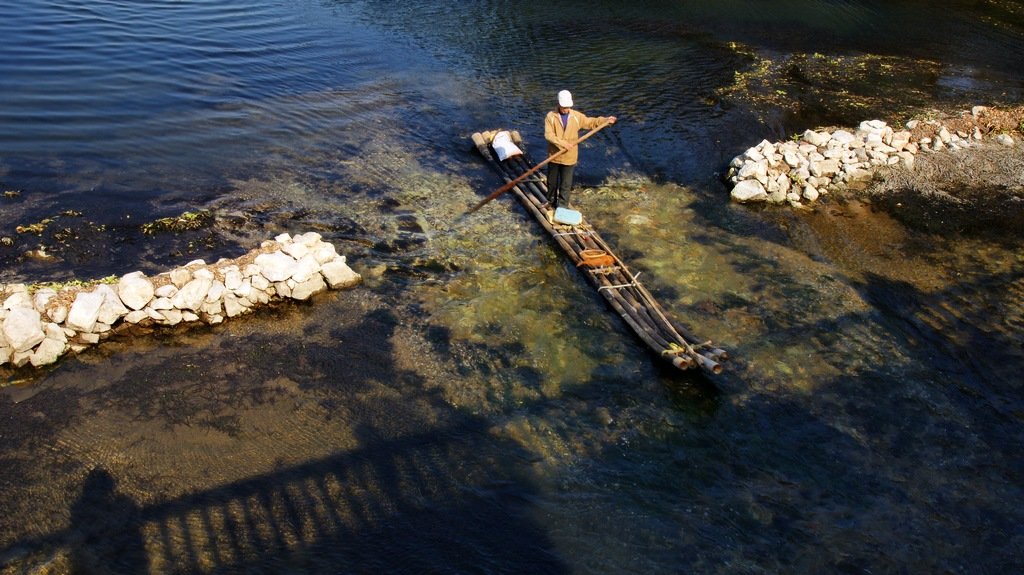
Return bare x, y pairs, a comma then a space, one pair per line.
559, 184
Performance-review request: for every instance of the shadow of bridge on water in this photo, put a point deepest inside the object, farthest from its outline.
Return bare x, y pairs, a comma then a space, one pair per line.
412, 504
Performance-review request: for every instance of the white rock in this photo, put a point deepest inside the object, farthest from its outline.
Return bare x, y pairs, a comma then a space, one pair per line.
304, 290
232, 279
166, 291
251, 270
19, 299
23, 329
5, 354
283, 238
171, 316
944, 135
753, 170
307, 267
188, 316
243, 289
55, 332
160, 304
42, 297
232, 306
212, 308
216, 292
58, 313
135, 291
843, 137
1005, 139
192, 295
816, 139
259, 282
262, 297
783, 182
978, 111
180, 276
324, 252
810, 193
977, 133
47, 352
825, 168
203, 273
276, 266
339, 275
900, 140
20, 358
136, 316
308, 239
791, 159
296, 250
112, 309
745, 191
89, 337
85, 311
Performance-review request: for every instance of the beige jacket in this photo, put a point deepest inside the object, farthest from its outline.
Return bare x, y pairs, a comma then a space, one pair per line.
559, 138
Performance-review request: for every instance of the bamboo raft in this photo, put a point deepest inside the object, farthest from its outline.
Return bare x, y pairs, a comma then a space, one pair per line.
603, 269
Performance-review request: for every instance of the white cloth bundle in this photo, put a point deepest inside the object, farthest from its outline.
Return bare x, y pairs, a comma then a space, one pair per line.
503, 145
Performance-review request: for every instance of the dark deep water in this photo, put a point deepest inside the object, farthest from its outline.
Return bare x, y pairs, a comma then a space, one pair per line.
472, 408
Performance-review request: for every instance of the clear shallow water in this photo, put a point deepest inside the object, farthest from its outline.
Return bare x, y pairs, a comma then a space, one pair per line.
472, 407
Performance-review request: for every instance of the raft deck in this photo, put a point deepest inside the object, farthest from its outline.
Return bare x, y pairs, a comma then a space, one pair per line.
613, 279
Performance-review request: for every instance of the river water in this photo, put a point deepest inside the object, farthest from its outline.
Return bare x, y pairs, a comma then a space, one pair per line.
473, 407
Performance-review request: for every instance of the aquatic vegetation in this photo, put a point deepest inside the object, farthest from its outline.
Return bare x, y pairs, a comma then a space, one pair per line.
73, 283
36, 228
832, 86
186, 221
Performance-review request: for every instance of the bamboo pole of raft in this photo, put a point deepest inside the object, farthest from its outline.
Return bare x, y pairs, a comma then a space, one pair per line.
703, 361
629, 299
635, 313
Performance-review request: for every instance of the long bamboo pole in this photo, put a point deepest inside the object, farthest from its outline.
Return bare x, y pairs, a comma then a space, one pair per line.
529, 172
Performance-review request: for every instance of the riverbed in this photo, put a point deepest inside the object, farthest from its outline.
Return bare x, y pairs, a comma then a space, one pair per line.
473, 406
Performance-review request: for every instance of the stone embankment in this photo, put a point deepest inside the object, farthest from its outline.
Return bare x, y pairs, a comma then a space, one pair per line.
41, 324
801, 170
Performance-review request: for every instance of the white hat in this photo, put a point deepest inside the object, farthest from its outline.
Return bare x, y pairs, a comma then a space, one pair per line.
565, 99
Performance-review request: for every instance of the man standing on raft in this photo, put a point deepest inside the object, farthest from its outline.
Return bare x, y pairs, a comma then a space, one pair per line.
562, 130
